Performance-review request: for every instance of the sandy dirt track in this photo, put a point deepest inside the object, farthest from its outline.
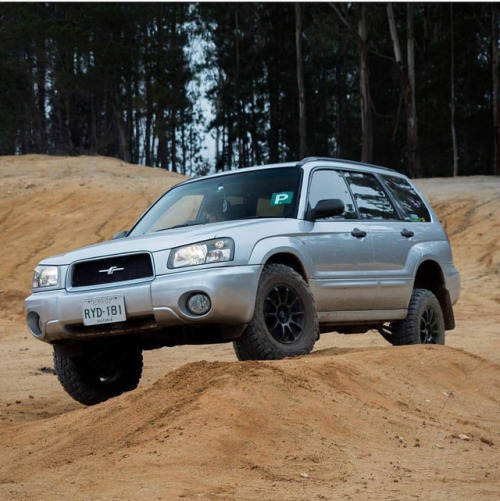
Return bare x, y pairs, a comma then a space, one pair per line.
357, 419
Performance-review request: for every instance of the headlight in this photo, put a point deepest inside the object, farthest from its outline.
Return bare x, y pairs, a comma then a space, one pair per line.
211, 251
45, 276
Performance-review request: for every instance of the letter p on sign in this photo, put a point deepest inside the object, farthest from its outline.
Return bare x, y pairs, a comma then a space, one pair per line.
283, 198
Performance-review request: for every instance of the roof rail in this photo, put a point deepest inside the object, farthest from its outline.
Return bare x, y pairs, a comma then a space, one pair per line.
352, 162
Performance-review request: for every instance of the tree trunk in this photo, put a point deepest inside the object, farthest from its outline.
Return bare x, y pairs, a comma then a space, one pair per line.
415, 167
162, 149
239, 105
364, 79
137, 126
173, 141
301, 86
452, 78
93, 126
41, 77
129, 124
364, 86
272, 81
494, 69
183, 143
123, 147
407, 78
147, 139
394, 35
219, 122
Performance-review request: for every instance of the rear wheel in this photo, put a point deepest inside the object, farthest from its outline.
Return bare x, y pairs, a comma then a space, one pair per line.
424, 323
100, 372
285, 323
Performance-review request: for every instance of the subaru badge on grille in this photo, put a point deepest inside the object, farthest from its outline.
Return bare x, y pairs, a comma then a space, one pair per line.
111, 270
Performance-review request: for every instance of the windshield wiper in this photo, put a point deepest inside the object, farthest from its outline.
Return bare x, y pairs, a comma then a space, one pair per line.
191, 223
256, 217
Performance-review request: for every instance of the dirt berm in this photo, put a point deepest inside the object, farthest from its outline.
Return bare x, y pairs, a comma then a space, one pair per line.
357, 419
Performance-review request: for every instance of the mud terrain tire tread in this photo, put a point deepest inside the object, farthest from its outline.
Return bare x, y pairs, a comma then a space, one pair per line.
407, 331
256, 343
78, 381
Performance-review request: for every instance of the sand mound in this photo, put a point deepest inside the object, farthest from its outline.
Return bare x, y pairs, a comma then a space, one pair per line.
341, 420
50, 205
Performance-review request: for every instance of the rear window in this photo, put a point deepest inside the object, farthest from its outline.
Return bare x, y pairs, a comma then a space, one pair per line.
407, 198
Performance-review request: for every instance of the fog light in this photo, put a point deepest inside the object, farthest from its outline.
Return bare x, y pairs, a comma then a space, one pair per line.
199, 304
34, 323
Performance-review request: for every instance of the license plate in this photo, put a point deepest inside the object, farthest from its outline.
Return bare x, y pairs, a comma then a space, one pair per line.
103, 310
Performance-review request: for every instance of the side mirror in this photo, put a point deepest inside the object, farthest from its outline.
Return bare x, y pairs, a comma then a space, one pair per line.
327, 208
120, 234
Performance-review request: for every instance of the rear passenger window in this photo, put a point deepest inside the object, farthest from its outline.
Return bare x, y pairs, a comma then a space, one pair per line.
328, 184
371, 199
407, 198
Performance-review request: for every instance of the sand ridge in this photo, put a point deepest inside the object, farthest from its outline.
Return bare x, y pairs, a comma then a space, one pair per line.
355, 419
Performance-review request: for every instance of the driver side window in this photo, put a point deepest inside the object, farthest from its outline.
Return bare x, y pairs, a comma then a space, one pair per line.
328, 184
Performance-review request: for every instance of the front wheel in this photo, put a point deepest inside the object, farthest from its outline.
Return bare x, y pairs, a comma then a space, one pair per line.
100, 372
285, 323
424, 323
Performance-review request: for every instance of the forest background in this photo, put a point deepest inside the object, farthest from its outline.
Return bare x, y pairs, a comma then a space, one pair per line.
412, 86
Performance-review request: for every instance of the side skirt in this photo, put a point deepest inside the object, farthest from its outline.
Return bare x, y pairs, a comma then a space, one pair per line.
360, 316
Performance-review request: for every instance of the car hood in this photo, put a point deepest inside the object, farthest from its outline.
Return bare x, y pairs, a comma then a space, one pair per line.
168, 239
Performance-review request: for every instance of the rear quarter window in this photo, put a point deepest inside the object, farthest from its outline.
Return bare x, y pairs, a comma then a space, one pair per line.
408, 200
370, 198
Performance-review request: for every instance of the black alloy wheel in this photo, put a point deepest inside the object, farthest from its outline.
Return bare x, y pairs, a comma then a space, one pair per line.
429, 326
284, 314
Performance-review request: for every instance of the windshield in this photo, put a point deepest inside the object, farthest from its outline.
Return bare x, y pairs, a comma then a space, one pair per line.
267, 193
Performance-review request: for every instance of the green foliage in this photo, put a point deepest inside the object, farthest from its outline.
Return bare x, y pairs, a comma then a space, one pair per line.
130, 80
109, 79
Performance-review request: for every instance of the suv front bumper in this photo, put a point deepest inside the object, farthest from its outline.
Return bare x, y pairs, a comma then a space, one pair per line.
160, 303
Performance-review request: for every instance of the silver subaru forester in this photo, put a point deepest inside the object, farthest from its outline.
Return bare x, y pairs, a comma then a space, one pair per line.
266, 257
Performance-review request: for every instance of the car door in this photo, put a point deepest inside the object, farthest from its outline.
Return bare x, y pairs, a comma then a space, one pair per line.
341, 250
391, 238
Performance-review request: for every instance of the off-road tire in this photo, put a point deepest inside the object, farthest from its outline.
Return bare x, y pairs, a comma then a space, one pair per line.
240, 352
424, 323
99, 374
283, 290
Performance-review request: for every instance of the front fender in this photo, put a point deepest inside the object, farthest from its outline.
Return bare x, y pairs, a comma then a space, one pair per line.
297, 246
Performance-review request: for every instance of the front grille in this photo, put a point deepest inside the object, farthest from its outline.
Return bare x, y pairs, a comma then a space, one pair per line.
111, 270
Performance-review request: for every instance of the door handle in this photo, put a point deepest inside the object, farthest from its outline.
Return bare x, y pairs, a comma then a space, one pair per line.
358, 233
407, 233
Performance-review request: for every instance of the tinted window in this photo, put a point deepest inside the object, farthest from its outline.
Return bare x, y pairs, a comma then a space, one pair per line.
328, 184
371, 199
409, 202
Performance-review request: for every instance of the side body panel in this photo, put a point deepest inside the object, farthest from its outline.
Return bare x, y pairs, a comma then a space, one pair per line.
397, 257
343, 277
